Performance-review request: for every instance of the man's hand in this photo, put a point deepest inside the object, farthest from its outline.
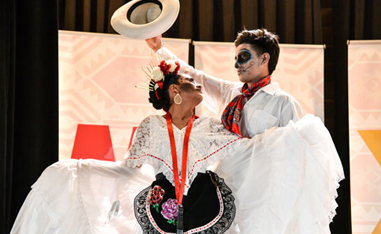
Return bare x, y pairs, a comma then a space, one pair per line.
154, 43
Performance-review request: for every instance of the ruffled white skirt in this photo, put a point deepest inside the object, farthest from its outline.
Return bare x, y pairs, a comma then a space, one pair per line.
288, 185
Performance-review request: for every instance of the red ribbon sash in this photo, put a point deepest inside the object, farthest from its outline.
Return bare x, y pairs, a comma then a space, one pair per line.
179, 187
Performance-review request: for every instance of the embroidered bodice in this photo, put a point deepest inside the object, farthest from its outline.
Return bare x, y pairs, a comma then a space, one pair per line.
209, 142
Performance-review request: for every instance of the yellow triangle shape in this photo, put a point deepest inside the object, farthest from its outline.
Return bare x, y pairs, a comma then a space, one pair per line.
377, 230
372, 139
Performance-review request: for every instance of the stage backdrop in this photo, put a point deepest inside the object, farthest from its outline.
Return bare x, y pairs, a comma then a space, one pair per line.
97, 78
364, 85
300, 71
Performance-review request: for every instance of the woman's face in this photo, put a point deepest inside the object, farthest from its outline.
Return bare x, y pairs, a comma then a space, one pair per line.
190, 91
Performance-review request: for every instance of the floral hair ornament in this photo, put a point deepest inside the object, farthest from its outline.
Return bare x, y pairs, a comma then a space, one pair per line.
146, 84
155, 74
158, 73
169, 67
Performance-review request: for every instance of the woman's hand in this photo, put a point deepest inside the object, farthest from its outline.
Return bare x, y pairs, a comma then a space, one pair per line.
154, 43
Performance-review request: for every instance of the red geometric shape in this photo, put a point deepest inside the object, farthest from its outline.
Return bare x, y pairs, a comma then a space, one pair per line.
93, 141
132, 136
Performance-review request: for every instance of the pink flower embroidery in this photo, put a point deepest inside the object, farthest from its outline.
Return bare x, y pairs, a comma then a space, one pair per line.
170, 210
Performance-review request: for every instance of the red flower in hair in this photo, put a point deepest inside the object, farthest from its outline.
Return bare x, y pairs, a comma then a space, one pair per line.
164, 67
177, 68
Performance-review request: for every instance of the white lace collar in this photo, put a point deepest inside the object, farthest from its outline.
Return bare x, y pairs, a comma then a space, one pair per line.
208, 143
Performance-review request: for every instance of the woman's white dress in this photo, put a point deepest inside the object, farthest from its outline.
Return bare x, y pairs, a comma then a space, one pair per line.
283, 181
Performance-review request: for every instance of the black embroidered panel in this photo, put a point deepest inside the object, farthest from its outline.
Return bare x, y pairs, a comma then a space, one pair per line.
208, 207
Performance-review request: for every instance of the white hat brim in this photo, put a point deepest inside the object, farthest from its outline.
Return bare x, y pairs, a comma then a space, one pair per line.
167, 17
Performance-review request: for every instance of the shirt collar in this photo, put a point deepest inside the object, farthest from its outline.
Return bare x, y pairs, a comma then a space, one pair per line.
271, 88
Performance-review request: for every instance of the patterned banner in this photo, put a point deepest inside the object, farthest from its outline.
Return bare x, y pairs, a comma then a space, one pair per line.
97, 78
364, 85
300, 71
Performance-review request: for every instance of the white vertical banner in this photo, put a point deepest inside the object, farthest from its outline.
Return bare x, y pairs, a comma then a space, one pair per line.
364, 91
97, 78
300, 71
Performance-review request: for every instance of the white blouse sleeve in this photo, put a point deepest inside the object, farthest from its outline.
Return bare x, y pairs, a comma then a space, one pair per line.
141, 144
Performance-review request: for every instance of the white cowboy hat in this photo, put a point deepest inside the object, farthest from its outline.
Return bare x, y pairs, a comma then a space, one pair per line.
142, 19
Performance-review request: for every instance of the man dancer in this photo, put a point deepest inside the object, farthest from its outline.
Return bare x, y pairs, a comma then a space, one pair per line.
256, 105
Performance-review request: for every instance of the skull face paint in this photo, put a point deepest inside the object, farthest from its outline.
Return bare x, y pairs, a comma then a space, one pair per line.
243, 57
250, 66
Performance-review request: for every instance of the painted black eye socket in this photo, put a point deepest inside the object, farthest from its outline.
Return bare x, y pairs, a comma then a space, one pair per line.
190, 80
243, 56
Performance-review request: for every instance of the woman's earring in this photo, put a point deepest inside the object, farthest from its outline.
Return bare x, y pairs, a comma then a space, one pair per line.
177, 99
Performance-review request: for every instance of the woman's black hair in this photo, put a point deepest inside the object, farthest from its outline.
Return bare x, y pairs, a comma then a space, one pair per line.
160, 97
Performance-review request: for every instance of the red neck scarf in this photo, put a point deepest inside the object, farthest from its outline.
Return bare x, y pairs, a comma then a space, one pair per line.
232, 114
